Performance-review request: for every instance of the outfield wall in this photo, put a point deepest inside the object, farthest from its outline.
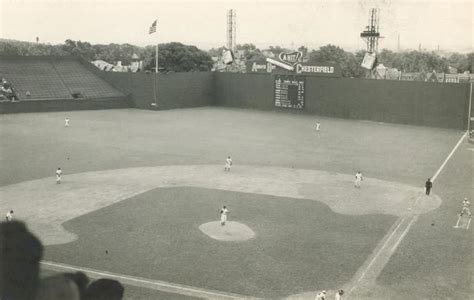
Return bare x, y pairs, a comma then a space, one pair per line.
414, 103
175, 90
45, 105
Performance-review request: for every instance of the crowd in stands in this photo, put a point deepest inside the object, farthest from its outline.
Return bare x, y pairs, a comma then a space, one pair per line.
20, 256
7, 92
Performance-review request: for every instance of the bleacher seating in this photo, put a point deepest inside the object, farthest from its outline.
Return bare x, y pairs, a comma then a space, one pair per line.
81, 80
54, 78
39, 77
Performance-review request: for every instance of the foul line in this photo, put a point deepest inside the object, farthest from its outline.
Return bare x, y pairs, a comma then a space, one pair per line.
153, 284
404, 233
449, 156
401, 220
378, 253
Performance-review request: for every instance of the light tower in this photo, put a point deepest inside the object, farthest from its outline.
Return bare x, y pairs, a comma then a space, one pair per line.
371, 33
371, 37
231, 28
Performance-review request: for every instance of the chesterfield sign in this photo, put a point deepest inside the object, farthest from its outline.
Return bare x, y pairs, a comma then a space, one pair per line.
290, 63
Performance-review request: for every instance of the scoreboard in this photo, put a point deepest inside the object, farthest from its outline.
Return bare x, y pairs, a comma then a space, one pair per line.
289, 91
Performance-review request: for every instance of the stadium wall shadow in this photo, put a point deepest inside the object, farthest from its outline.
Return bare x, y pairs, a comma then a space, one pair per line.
45, 105
405, 102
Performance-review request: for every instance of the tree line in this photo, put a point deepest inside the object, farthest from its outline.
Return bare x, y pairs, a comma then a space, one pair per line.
406, 61
172, 57
177, 57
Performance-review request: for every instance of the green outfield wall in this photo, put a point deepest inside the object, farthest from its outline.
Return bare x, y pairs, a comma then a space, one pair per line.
405, 102
174, 90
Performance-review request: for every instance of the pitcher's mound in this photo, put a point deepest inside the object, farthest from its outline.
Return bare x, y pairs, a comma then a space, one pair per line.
231, 231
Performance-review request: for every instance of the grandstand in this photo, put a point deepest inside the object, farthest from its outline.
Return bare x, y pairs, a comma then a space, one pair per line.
54, 78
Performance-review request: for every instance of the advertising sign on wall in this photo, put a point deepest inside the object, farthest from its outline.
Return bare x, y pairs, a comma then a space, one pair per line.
290, 63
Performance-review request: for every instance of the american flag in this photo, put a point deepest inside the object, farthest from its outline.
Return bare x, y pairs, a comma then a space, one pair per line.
152, 28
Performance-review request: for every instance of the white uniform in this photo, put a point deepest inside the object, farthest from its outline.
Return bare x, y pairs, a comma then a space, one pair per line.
321, 296
228, 163
318, 125
358, 179
339, 295
9, 216
58, 175
66, 122
465, 208
224, 212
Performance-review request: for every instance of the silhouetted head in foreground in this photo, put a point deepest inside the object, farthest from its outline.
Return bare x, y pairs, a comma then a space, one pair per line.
105, 289
20, 254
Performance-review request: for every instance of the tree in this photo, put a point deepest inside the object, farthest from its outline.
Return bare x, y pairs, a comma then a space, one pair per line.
470, 62
459, 61
177, 57
251, 52
303, 50
334, 54
80, 49
277, 50
216, 52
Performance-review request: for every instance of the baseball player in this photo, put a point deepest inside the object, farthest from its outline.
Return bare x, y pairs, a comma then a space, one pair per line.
339, 295
9, 216
318, 126
321, 296
465, 208
224, 212
59, 172
358, 179
228, 163
66, 122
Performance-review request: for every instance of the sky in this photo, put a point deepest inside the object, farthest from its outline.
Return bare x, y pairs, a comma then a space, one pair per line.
447, 24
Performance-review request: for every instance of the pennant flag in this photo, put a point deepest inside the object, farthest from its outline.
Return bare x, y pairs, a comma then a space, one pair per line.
152, 28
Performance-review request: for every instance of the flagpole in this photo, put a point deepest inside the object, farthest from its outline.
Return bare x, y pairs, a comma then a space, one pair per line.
156, 72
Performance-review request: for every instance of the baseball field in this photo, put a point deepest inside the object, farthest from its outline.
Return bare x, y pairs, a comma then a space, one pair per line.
141, 192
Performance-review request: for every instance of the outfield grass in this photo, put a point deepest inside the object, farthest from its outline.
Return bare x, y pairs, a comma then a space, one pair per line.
436, 261
37, 143
300, 245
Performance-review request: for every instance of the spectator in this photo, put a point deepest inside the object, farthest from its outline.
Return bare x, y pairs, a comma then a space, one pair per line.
58, 287
81, 280
20, 253
105, 289
28, 94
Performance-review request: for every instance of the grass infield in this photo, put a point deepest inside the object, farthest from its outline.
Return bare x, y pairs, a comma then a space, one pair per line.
300, 245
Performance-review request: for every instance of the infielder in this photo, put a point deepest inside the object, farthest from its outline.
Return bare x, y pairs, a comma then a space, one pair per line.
9, 216
59, 172
339, 295
224, 212
465, 208
66, 122
228, 163
318, 125
321, 296
358, 179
